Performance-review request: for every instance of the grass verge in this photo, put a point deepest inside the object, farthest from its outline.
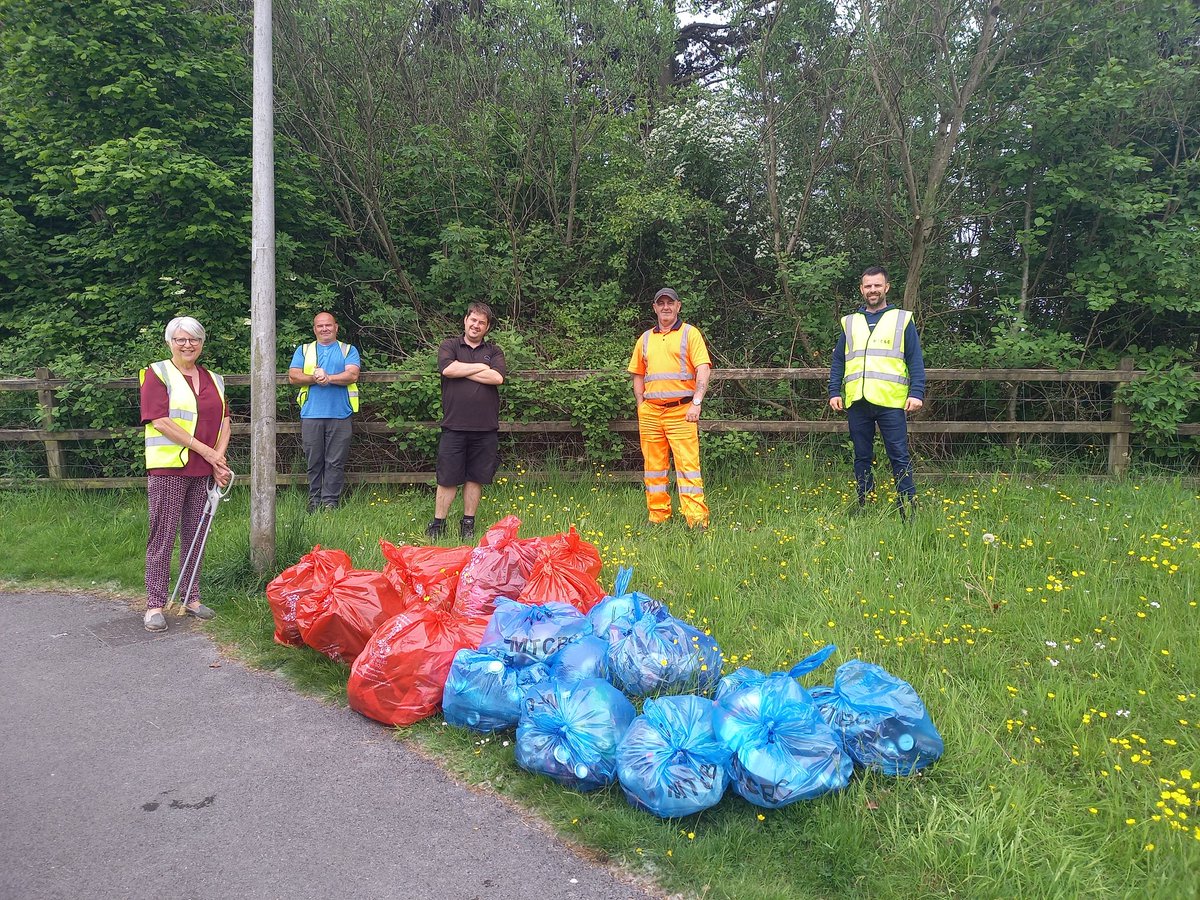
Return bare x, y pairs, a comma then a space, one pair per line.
1049, 625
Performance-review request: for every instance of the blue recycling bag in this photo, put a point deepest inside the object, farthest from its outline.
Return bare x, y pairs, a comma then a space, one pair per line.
584, 658
664, 656
742, 675
532, 633
614, 615
570, 732
484, 691
880, 719
783, 751
739, 678
670, 761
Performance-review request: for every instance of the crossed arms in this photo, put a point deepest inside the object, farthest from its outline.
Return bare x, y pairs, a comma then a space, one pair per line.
480, 372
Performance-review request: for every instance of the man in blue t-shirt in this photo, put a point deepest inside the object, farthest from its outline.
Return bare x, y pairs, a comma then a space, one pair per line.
327, 372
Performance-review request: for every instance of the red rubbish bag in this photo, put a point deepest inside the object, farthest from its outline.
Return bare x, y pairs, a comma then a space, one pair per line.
530, 550
311, 575
554, 580
399, 677
340, 625
574, 551
424, 575
498, 567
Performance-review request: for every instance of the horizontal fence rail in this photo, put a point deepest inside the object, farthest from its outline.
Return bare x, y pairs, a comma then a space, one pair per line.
1117, 427
1096, 376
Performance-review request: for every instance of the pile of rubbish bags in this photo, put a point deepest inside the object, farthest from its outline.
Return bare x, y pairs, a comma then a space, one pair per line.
516, 633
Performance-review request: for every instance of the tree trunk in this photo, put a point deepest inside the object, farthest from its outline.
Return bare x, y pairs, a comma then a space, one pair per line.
924, 193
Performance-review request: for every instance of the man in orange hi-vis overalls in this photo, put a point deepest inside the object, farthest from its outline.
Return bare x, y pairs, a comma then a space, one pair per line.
670, 368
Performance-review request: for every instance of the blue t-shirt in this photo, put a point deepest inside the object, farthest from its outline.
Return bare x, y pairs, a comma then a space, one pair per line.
327, 401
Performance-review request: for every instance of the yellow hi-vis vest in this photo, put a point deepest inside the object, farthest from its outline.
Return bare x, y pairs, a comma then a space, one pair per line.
875, 367
161, 451
310, 366
675, 377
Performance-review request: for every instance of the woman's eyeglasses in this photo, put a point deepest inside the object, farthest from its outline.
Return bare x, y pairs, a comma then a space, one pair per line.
184, 342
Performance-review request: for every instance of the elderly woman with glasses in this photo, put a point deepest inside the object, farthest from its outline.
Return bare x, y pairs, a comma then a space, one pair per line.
187, 430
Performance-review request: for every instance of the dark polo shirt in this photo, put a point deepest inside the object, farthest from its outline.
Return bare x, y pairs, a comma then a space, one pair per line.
468, 405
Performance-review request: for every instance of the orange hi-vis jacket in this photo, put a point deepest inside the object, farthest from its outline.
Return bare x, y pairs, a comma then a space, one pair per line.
668, 361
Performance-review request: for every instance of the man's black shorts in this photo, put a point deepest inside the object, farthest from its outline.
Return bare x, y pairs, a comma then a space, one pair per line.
467, 456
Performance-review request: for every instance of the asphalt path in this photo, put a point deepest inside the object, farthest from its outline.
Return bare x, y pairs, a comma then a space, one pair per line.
135, 765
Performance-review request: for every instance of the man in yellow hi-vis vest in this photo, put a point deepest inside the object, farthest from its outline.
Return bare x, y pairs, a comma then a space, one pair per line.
878, 376
670, 368
327, 372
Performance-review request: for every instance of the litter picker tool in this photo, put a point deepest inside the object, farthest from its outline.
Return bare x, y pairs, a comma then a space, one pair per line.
191, 561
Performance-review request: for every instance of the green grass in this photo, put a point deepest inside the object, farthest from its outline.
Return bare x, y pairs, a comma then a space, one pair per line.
1058, 661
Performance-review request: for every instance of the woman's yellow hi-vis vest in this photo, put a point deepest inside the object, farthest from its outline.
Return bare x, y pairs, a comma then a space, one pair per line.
875, 367
161, 451
310, 366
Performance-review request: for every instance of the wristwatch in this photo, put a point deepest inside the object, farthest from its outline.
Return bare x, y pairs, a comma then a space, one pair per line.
696, 402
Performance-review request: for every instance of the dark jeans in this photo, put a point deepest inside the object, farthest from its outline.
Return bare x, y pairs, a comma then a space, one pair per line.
326, 447
863, 416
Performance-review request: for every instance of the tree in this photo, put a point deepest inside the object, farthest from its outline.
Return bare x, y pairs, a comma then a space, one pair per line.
464, 146
1095, 178
927, 60
125, 142
800, 94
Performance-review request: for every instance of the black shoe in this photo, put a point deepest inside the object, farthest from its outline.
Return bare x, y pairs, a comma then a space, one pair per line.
435, 530
330, 504
466, 530
313, 506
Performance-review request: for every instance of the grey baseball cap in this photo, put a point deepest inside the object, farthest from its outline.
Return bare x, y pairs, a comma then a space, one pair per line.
667, 292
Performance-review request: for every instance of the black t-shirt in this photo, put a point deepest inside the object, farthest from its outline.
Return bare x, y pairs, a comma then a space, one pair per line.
468, 405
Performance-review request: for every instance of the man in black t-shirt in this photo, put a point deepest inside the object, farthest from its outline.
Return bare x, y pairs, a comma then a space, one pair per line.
472, 370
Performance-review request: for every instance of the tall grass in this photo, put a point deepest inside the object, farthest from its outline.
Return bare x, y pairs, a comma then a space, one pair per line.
1049, 625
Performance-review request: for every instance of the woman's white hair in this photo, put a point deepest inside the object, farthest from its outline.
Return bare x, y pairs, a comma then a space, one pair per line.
184, 323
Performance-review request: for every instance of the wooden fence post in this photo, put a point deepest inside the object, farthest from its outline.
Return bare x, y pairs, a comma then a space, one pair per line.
54, 454
1118, 441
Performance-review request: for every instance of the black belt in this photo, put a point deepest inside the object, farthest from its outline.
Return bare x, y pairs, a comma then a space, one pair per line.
670, 403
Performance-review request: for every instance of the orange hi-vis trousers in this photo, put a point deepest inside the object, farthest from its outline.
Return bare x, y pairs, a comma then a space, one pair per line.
665, 432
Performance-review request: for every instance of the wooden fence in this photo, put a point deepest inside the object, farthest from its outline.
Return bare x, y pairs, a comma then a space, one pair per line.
1117, 426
